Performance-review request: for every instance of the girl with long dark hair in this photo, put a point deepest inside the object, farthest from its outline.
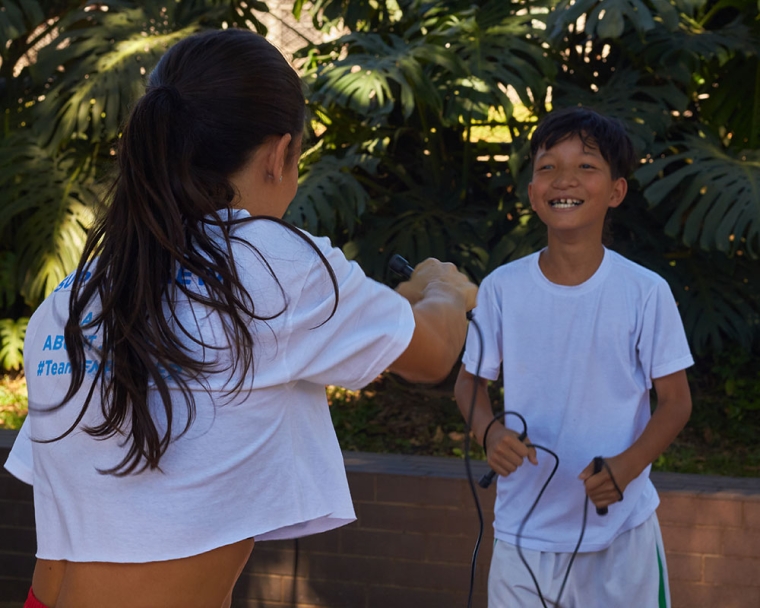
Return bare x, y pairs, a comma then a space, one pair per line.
177, 410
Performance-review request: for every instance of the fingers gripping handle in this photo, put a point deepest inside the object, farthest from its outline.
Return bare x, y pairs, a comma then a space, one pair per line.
487, 479
598, 464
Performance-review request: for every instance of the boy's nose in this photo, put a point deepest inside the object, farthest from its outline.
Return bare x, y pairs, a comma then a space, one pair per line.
563, 179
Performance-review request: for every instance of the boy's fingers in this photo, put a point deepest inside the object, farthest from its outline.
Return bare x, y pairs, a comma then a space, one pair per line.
587, 472
531, 454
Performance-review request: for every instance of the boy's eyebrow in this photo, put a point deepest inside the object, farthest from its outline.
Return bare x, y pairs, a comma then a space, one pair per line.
587, 150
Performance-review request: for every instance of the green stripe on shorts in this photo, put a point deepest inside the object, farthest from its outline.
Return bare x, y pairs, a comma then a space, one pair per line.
662, 600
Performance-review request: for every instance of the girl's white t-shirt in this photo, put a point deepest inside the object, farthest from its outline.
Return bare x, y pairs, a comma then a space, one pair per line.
577, 363
263, 462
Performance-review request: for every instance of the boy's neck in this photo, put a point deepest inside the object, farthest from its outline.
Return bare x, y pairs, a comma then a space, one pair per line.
570, 263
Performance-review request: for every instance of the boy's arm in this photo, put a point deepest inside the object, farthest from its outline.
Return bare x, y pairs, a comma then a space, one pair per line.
504, 450
670, 416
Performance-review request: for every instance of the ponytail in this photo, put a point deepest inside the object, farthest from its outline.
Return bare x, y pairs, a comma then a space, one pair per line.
210, 102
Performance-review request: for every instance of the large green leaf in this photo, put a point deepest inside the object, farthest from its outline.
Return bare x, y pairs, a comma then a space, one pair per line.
49, 217
647, 109
607, 19
18, 18
103, 70
718, 195
508, 54
9, 284
12, 332
329, 192
99, 60
380, 73
738, 116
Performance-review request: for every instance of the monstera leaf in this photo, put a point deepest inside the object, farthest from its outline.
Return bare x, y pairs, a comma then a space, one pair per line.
98, 62
607, 19
497, 55
329, 191
717, 194
12, 332
647, 109
45, 220
17, 19
381, 72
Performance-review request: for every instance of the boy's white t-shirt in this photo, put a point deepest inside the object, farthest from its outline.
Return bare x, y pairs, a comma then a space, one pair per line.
577, 363
263, 462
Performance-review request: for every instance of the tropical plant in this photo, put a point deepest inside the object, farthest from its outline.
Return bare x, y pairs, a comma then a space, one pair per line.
402, 97
397, 100
70, 70
422, 113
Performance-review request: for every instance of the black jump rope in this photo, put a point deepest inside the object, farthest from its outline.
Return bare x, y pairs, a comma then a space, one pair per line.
400, 266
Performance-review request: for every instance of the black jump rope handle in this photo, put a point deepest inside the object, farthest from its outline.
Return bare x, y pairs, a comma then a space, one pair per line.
598, 464
400, 266
487, 479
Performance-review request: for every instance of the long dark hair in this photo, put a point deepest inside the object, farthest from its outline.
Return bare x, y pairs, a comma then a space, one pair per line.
211, 101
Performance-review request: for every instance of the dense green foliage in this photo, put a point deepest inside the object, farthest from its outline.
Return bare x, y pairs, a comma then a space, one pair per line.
421, 114
69, 72
402, 100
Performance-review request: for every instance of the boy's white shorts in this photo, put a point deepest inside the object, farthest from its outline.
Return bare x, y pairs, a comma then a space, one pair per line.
630, 573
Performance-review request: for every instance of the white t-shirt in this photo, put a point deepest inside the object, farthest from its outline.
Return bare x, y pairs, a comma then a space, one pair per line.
577, 363
262, 463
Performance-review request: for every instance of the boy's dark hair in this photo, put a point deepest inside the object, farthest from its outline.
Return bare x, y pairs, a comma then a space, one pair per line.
602, 132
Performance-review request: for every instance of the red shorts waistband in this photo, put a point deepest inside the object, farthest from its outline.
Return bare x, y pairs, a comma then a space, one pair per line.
32, 601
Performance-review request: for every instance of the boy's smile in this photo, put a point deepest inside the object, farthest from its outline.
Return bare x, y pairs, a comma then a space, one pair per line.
572, 187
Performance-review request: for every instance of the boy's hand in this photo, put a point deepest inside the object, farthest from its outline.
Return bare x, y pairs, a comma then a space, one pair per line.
599, 488
505, 450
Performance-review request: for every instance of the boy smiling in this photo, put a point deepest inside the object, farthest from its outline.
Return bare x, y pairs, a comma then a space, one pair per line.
581, 335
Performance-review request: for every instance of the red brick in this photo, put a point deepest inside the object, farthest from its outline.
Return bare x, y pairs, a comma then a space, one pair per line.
258, 587
452, 577
457, 549
405, 489
326, 542
362, 486
14, 591
685, 510
732, 571
698, 539
406, 545
335, 594
373, 516
743, 543
395, 597
686, 595
752, 514
265, 561
350, 568
683, 567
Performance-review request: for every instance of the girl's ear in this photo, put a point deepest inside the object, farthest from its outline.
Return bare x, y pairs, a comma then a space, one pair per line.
619, 190
278, 155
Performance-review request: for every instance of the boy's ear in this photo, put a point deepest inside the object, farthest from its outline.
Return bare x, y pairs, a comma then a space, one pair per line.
619, 190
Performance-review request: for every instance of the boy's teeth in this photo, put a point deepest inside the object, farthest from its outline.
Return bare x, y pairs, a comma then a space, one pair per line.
565, 203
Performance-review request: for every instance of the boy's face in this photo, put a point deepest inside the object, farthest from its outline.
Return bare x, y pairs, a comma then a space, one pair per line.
572, 188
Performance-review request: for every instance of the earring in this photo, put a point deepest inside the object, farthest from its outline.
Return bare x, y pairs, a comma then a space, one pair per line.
280, 178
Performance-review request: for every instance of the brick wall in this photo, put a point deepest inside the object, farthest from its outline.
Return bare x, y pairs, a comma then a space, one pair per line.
412, 544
